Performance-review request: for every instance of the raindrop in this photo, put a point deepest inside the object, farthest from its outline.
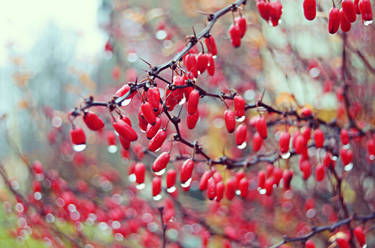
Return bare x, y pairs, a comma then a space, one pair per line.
112, 149
238, 192
314, 72
171, 189
140, 186
79, 148
182, 102
126, 102
161, 34
187, 183
348, 167
372, 157
132, 178
242, 146
159, 173
157, 197
368, 22
261, 191
37, 196
240, 119
285, 155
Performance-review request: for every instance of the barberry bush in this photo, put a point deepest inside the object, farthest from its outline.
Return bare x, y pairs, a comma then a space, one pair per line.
254, 128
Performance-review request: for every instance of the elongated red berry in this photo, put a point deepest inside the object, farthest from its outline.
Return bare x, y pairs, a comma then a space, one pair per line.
186, 170
264, 9
284, 142
158, 140
328, 161
309, 244
93, 121
148, 113
342, 243
346, 156
360, 235
261, 126
235, 35
192, 120
161, 162
139, 171
142, 122
319, 172
231, 188
300, 144
344, 22
318, 138
366, 10
153, 97
356, 7
230, 120
191, 62
156, 186
276, 10
239, 106
241, 23
257, 142
125, 143
349, 10
219, 191
268, 186
334, 20
211, 188
244, 187
277, 175
211, 65
37, 167
204, 179
305, 167
371, 147
261, 179
77, 136
192, 104
171, 178
124, 130
287, 178
153, 129
211, 45
241, 134
344, 136
202, 62
309, 9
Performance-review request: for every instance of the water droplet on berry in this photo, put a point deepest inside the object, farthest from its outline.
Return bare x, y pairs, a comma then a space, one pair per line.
348, 167
368, 22
242, 146
157, 197
261, 191
240, 119
159, 173
171, 189
187, 183
112, 149
140, 186
126, 102
285, 155
79, 148
132, 178
371, 157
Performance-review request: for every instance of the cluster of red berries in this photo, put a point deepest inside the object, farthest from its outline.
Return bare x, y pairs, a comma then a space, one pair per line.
270, 11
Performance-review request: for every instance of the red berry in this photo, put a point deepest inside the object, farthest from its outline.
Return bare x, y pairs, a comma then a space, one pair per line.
356, 7
360, 235
346, 156
366, 10
239, 105
153, 96
211, 65
371, 147
334, 20
192, 104
287, 178
37, 167
211, 45
244, 187
211, 188
124, 130
93, 121
186, 170
277, 175
305, 167
158, 140
344, 136
192, 120
269, 186
276, 10
241, 134
318, 138
264, 9
261, 126
309, 244
219, 191
241, 23
349, 10
309, 9
156, 186
111, 138
204, 179
148, 113
191, 62
139, 171
257, 142
125, 143
342, 243
142, 122
230, 120
328, 161
153, 129
161, 162
235, 35
231, 188
171, 178
261, 179
319, 172
300, 144
284, 142
345, 23
77, 136
202, 62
